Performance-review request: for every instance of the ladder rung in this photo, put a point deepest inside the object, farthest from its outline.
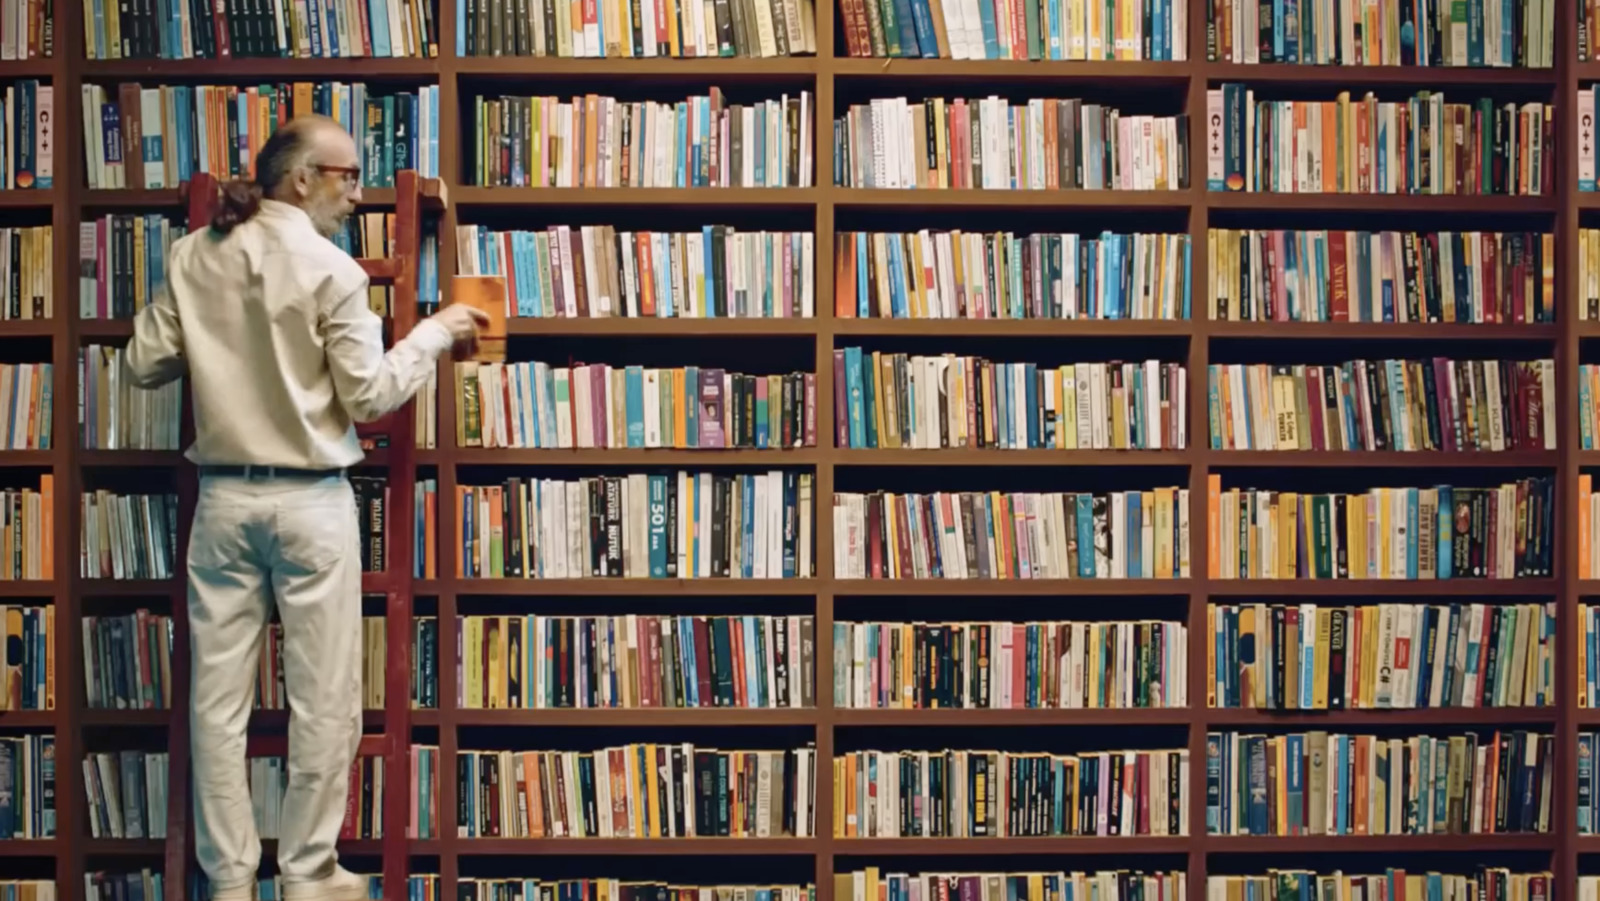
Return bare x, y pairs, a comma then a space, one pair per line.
380, 270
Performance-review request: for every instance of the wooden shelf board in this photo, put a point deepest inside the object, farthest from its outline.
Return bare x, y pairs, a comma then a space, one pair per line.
1441, 716
670, 716
1366, 331
765, 198
1398, 459
661, 328
995, 457
630, 587
939, 198
27, 588
27, 328
1585, 716
29, 847
28, 68
1096, 844
128, 587
652, 847
978, 718
133, 198
20, 199
1009, 328
142, 719
1515, 588
1056, 71
125, 847
1376, 76
743, 68
105, 328
1380, 203
130, 458
980, 588
254, 69
476, 456
1396, 844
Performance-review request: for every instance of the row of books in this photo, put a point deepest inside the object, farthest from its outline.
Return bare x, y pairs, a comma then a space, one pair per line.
115, 414
897, 400
32, 890
127, 536
1309, 885
1359, 276
1058, 885
27, 272
991, 143
27, 531
537, 405
594, 271
26, 392
1442, 532
1384, 405
636, 791
1421, 145
26, 30
1012, 535
1382, 656
683, 525
1155, 30
127, 793
759, 525
1010, 665
372, 236
27, 142
28, 766
603, 142
122, 259
1320, 783
1254, 275
1493, 33
1003, 275
270, 888
158, 137
635, 661
317, 29
145, 885
363, 816
127, 661
643, 29
1000, 794
272, 690
27, 658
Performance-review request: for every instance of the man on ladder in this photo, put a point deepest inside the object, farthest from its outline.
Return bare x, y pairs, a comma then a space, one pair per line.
270, 320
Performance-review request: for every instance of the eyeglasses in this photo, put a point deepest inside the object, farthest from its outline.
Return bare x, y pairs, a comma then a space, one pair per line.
352, 174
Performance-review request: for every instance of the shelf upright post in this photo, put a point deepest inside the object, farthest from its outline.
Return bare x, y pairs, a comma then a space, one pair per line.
1564, 809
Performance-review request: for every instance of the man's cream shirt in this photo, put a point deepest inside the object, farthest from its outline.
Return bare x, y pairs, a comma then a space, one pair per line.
271, 324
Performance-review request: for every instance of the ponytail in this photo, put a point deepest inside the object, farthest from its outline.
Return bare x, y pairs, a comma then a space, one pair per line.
240, 200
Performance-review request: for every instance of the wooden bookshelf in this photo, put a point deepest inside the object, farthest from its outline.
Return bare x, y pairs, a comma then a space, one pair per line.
1182, 85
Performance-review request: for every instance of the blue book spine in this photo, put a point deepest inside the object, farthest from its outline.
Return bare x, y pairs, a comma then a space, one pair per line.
633, 376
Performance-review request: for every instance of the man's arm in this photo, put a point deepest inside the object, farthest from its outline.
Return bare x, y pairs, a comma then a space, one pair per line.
155, 353
370, 382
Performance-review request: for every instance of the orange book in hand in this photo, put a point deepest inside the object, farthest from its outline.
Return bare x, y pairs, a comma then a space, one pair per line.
487, 293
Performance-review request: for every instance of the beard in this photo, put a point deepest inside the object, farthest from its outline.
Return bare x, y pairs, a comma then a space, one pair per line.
328, 218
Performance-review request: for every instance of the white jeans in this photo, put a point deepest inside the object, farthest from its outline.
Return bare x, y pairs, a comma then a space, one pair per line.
293, 542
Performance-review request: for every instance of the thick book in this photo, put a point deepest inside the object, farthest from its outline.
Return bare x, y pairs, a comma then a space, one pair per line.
487, 293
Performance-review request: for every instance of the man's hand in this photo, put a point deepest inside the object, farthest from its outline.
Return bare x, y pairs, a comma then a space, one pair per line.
461, 321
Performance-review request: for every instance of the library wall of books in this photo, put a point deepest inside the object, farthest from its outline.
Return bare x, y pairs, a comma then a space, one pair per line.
943, 450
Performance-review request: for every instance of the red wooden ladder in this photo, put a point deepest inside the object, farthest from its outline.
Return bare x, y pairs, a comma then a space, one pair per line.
400, 271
